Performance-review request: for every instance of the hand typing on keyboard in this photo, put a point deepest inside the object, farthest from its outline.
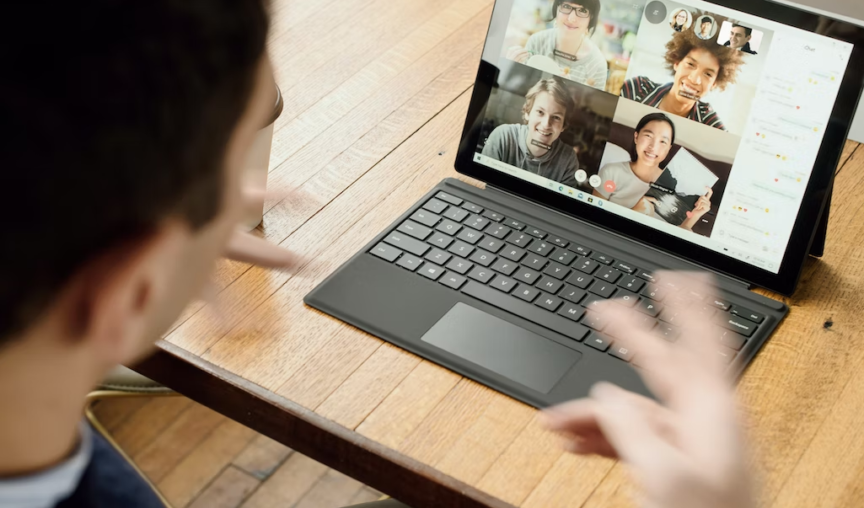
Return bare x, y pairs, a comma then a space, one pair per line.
687, 450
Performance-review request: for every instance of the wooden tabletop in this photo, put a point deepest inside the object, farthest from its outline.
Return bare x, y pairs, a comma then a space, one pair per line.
374, 107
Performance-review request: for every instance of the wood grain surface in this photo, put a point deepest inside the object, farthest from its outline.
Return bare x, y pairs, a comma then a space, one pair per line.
373, 113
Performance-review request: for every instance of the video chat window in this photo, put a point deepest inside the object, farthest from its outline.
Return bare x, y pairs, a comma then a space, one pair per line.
655, 130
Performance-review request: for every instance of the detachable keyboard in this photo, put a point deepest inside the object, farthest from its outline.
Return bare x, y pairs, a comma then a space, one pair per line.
549, 280
522, 264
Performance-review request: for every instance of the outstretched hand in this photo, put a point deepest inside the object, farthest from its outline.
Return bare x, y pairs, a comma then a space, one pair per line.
686, 450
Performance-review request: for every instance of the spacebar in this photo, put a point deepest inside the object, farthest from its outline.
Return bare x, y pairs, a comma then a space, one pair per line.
527, 311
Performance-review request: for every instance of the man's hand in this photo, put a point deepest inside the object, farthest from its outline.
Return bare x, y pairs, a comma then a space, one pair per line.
688, 450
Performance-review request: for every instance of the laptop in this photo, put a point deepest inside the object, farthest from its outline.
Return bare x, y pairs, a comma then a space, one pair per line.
616, 139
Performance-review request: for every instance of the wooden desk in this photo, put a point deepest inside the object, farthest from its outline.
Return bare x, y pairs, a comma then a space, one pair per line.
373, 114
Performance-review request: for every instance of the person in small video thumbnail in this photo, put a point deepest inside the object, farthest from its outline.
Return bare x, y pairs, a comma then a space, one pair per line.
534, 145
706, 28
699, 67
739, 39
681, 20
569, 43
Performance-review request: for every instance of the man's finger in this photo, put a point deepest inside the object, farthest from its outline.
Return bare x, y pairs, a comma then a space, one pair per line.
247, 248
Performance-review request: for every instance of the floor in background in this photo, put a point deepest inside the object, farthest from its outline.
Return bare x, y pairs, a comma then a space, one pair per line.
198, 458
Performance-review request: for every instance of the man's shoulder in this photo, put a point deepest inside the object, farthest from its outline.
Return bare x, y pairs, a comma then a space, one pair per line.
638, 87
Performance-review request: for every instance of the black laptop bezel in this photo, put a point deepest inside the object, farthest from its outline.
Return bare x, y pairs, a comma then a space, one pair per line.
813, 203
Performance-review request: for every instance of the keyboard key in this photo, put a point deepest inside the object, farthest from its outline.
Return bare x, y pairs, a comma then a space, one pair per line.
549, 284
560, 242
625, 267
622, 353
650, 308
491, 244
608, 274
411, 228
469, 236
426, 218
565, 257
437, 256
537, 233
459, 265
481, 274
542, 248
505, 266
572, 294
435, 206
471, 207
455, 214
602, 258
580, 280
461, 249
730, 339
513, 254
668, 332
409, 262
481, 257
448, 227
539, 316
527, 293
498, 231
430, 271
582, 251
593, 301
453, 280
571, 311
736, 324
548, 302
631, 283
386, 252
534, 261
706, 312
646, 275
626, 298
720, 304
439, 240
654, 293
503, 284
404, 241
477, 222
519, 239
527, 276
489, 214
595, 321
556, 270
586, 265
453, 200
515, 224
598, 342
602, 289
748, 314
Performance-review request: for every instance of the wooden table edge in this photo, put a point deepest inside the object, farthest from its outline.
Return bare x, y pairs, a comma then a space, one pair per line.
310, 434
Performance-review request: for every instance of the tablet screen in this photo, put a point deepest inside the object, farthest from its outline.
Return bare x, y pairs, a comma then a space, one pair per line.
693, 119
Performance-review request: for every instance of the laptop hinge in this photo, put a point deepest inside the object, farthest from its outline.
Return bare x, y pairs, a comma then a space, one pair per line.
734, 280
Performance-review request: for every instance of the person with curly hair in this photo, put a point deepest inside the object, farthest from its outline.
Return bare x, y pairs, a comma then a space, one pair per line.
699, 67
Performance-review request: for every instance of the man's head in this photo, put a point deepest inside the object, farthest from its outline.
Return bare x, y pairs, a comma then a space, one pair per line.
547, 110
740, 36
125, 125
578, 17
705, 25
700, 66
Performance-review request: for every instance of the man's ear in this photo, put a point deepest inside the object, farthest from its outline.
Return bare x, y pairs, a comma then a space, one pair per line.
116, 295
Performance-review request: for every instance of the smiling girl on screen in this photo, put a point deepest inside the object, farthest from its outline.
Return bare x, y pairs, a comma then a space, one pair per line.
626, 183
699, 67
568, 44
535, 145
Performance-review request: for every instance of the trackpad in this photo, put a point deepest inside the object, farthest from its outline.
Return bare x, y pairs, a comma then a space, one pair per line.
504, 348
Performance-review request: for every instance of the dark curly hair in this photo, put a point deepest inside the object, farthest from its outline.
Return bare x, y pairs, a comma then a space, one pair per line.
685, 41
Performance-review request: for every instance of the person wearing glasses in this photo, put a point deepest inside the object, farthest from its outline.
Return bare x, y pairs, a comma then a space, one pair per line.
681, 20
568, 43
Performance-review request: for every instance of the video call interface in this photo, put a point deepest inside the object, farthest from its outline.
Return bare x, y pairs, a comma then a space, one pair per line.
688, 118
